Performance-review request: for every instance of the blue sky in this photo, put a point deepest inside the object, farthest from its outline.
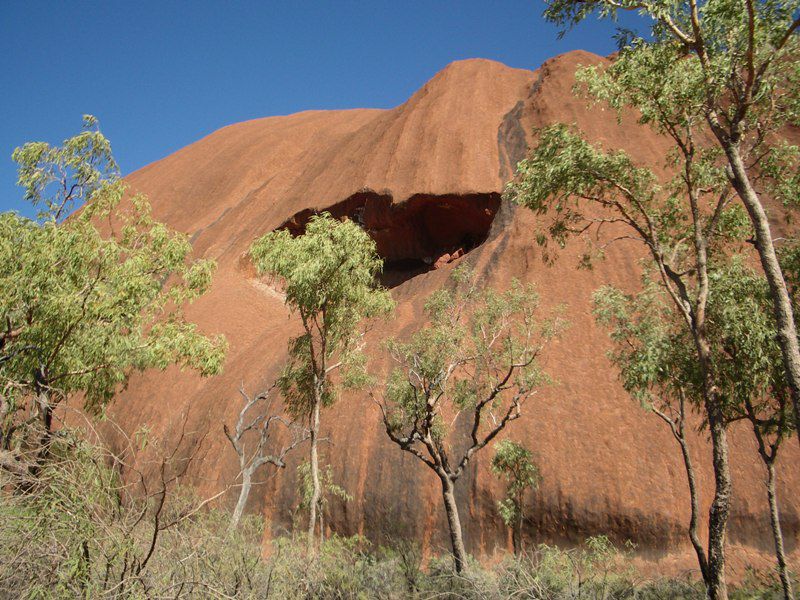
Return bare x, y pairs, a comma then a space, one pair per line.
160, 75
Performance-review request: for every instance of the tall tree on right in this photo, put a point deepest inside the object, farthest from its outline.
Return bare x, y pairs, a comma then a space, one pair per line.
684, 225
736, 65
655, 357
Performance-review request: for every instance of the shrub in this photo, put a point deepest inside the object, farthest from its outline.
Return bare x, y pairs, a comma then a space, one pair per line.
81, 531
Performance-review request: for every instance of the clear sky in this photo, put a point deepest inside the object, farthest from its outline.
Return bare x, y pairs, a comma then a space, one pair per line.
160, 75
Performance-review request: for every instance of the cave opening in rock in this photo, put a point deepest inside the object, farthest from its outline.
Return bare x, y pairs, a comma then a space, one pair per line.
423, 233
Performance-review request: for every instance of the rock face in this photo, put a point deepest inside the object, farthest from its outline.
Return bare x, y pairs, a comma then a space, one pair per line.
426, 179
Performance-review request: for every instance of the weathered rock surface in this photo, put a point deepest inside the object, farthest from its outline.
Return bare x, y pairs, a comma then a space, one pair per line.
426, 178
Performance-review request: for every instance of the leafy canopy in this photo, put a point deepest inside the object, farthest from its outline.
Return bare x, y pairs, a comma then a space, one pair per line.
476, 357
730, 64
86, 299
655, 355
584, 189
329, 278
468, 346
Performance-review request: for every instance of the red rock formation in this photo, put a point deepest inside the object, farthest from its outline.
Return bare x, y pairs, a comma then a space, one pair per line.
425, 179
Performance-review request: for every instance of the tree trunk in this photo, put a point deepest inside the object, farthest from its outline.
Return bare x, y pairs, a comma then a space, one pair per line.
321, 525
720, 507
695, 507
244, 492
454, 523
719, 511
782, 304
6, 424
777, 534
45, 414
516, 532
516, 536
314, 467
43, 438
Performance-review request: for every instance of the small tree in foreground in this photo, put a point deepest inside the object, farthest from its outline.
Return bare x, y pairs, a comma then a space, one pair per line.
251, 460
329, 276
514, 462
328, 488
475, 362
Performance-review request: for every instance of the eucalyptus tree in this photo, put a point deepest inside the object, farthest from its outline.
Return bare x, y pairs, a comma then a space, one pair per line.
329, 277
736, 66
87, 297
514, 462
656, 358
680, 223
474, 363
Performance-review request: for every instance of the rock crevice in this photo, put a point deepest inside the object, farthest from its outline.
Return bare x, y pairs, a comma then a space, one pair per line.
425, 232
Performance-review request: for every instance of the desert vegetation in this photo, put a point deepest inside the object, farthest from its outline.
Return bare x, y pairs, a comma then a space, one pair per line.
95, 289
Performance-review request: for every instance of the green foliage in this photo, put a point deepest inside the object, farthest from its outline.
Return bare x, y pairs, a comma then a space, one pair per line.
789, 256
713, 49
669, 92
329, 277
759, 585
564, 167
720, 81
328, 487
566, 177
514, 462
731, 64
597, 569
81, 531
57, 179
741, 319
474, 362
86, 300
655, 355
463, 354
343, 569
651, 350
348, 568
